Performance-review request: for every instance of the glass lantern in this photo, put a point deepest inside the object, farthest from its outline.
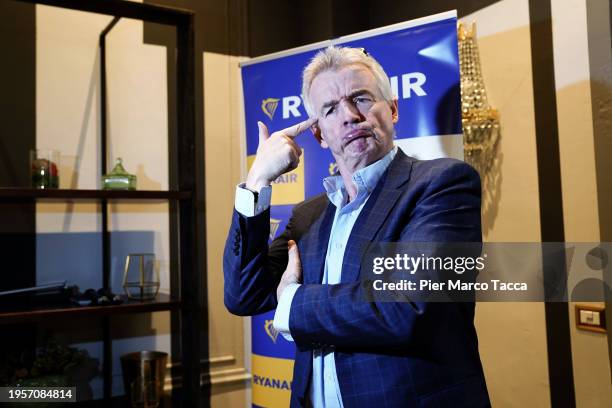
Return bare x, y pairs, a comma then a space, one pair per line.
141, 277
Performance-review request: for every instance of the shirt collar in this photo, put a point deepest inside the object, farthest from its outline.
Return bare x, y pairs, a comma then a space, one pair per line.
365, 179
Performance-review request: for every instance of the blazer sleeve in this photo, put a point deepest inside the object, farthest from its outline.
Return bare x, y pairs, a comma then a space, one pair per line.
338, 315
252, 269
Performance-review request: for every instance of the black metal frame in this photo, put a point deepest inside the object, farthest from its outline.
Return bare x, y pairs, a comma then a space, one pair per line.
189, 216
558, 339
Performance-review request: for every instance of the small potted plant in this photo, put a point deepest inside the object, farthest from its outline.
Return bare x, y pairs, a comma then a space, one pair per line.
53, 365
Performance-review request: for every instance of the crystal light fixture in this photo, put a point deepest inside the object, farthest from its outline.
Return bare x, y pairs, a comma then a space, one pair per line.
481, 130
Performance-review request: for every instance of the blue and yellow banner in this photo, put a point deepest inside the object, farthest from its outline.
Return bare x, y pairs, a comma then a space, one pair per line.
421, 59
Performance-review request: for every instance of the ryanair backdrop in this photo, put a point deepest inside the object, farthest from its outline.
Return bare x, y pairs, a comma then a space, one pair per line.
421, 59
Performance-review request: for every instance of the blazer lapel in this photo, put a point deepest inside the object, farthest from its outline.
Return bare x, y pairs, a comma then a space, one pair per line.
375, 212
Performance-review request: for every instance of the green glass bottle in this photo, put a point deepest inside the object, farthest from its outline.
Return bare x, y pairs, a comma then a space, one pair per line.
118, 178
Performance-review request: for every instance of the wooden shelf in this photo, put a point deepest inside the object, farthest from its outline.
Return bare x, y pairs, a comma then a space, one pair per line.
160, 303
186, 221
20, 194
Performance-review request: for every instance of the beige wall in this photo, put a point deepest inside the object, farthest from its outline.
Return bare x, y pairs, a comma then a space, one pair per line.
512, 336
579, 183
224, 160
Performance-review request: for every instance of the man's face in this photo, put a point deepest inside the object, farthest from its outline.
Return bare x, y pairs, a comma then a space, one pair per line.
355, 121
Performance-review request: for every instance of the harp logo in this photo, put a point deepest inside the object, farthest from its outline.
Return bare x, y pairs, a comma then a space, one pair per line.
268, 106
290, 106
274, 224
270, 330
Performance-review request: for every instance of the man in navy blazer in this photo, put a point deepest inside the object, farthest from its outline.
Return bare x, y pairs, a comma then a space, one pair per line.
352, 352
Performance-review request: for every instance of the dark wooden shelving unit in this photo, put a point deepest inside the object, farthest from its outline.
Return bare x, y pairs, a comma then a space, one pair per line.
8, 194
162, 302
187, 226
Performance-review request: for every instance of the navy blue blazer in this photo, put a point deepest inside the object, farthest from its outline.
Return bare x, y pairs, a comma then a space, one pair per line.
388, 354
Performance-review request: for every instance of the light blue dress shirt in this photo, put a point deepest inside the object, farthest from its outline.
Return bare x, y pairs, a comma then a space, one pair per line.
325, 389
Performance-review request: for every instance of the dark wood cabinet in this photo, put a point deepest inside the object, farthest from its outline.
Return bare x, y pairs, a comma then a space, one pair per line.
186, 217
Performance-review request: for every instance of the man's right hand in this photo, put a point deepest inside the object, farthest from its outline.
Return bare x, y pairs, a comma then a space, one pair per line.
276, 154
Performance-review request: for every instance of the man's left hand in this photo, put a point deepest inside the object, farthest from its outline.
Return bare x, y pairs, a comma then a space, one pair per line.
293, 273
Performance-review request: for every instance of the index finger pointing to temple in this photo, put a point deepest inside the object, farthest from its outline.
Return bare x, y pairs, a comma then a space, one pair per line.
295, 130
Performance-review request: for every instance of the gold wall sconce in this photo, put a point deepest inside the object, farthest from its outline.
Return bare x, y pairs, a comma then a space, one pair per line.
481, 129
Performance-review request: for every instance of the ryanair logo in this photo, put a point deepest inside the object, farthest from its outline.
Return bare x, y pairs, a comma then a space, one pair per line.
272, 382
270, 330
290, 106
404, 86
274, 224
268, 106
333, 168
